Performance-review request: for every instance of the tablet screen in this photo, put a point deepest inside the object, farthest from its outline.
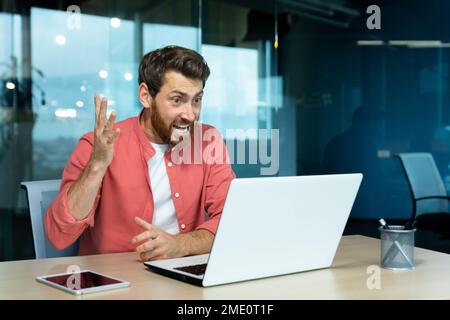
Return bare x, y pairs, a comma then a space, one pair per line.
87, 279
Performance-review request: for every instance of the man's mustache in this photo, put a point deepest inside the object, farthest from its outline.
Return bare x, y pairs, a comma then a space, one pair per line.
183, 123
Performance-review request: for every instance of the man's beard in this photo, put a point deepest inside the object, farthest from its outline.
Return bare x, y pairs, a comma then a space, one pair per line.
167, 133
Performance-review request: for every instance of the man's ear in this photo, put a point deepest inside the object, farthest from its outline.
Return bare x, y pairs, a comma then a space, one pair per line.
144, 96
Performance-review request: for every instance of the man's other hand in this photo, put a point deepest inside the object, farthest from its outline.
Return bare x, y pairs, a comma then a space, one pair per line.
156, 243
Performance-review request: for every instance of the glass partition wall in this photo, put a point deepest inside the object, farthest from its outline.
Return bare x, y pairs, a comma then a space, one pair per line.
297, 87
55, 58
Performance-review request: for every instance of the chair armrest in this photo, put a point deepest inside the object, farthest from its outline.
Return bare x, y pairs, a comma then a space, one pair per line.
433, 197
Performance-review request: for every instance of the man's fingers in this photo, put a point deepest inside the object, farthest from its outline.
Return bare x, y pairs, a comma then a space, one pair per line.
147, 246
112, 136
97, 108
145, 256
146, 235
150, 255
144, 224
102, 114
110, 122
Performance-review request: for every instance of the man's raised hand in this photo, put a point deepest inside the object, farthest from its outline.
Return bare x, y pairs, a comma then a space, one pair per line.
104, 134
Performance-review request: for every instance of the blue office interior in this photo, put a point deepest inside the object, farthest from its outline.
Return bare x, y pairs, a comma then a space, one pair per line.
363, 104
341, 106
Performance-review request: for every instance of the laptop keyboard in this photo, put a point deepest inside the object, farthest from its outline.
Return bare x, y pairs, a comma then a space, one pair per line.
197, 269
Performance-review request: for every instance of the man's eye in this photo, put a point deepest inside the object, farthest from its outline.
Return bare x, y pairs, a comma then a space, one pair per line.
198, 100
176, 100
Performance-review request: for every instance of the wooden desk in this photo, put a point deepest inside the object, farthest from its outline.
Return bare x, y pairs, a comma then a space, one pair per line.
346, 279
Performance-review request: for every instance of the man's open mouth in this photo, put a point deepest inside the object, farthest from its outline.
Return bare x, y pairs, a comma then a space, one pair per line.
181, 127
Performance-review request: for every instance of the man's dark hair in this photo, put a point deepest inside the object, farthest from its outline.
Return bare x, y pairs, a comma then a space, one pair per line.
156, 63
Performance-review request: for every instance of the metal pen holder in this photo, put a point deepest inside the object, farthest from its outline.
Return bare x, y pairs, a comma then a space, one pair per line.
397, 248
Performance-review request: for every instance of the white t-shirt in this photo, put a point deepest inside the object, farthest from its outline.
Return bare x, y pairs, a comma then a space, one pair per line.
164, 214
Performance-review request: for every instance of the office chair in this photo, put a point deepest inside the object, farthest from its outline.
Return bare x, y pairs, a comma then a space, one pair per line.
40, 195
430, 199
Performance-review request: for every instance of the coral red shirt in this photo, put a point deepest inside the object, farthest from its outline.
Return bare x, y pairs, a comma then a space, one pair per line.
198, 191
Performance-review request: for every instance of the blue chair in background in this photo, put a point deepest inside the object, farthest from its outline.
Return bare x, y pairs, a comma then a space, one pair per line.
430, 209
40, 195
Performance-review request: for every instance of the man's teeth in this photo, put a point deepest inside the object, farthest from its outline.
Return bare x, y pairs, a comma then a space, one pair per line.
181, 127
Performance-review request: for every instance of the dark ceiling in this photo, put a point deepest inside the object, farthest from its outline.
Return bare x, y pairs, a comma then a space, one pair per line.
401, 19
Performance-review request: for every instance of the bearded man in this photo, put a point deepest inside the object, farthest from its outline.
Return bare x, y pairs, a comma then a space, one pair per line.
121, 190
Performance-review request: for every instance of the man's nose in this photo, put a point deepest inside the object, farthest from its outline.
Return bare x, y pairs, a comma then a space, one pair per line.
188, 113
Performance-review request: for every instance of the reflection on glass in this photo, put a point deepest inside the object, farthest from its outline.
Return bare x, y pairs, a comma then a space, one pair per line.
161, 35
93, 59
47, 106
231, 93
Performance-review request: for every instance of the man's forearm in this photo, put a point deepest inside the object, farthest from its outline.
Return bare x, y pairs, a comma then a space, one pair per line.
195, 242
82, 193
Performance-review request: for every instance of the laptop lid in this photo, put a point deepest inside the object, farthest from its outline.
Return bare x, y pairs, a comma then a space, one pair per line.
280, 225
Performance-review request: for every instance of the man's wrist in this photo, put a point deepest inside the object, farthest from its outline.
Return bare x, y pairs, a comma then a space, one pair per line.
97, 166
194, 242
183, 244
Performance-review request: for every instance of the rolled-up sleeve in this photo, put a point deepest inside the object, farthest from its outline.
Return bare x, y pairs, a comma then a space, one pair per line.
220, 174
60, 225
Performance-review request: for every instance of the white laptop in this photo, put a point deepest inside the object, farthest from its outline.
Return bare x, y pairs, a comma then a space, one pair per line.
269, 227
